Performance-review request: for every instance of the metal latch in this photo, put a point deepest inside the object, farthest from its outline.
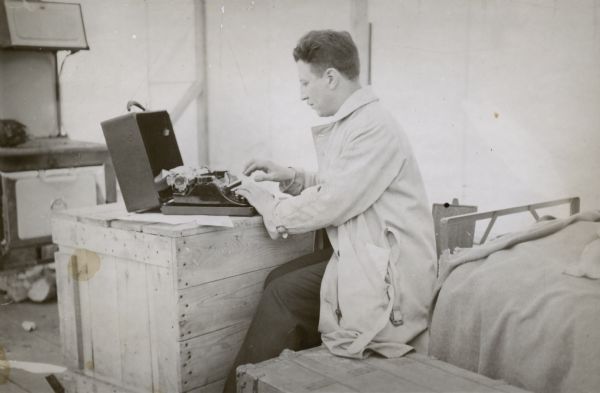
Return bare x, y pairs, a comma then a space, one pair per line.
396, 318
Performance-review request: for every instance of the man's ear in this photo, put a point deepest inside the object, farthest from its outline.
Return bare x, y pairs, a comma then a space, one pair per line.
333, 77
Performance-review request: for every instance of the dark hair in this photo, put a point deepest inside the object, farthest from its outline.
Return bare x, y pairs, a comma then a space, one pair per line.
324, 49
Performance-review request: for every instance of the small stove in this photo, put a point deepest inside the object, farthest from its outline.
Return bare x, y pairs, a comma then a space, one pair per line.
49, 171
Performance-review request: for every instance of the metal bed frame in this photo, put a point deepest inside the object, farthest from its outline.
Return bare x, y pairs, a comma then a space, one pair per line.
448, 224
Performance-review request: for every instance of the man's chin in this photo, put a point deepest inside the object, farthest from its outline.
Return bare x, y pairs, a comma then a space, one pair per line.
320, 113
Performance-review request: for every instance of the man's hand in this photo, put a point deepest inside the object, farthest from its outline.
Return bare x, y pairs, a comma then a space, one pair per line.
262, 200
272, 171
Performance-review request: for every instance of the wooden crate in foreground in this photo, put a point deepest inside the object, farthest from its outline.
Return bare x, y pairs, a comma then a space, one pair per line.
155, 308
316, 370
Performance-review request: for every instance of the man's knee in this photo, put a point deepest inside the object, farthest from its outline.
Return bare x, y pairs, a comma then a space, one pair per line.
278, 287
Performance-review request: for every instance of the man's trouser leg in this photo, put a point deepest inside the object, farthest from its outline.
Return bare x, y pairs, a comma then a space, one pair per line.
287, 315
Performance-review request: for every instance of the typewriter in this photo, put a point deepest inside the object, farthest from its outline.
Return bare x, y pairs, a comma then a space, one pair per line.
201, 189
151, 175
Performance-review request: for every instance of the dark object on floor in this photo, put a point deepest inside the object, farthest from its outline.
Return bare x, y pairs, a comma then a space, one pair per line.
55, 384
12, 133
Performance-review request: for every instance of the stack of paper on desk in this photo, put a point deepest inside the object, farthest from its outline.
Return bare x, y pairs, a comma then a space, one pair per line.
220, 221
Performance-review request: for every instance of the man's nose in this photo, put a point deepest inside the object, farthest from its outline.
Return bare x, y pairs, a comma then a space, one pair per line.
303, 96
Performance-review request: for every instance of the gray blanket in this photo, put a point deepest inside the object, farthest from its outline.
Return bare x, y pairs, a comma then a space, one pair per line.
508, 310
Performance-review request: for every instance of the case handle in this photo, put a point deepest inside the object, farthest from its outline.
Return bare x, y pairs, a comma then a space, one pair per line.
134, 103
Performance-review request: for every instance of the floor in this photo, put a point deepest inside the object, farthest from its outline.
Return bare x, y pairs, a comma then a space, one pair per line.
41, 345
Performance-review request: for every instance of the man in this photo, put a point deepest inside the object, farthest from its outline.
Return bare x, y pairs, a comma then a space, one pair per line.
373, 293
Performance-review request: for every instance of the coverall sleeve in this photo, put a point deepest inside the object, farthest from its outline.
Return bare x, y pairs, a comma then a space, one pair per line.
302, 180
371, 158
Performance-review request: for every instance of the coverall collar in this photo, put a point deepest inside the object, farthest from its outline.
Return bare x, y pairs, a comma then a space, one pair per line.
359, 98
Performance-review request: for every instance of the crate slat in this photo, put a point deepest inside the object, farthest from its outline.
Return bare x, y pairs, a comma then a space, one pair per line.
164, 330
245, 249
207, 358
282, 375
105, 319
433, 378
218, 304
134, 325
69, 311
120, 243
355, 373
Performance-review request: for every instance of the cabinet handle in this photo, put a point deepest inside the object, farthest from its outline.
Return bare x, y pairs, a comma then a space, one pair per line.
64, 178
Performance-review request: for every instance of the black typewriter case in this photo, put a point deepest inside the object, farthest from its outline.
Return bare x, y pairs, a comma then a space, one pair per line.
141, 145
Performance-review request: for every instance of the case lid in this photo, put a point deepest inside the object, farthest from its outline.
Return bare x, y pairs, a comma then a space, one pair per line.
36, 24
141, 145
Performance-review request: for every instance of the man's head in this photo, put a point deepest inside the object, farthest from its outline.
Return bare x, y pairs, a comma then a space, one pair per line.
328, 68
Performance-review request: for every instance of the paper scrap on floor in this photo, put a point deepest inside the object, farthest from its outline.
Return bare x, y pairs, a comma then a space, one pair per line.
33, 367
218, 221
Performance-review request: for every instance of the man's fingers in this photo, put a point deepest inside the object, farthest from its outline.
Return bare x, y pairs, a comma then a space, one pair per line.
249, 168
242, 192
263, 177
257, 165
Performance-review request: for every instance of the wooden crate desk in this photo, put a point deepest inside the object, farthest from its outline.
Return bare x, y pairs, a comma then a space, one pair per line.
147, 307
318, 371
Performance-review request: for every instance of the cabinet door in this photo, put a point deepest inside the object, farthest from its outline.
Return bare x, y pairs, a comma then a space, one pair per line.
29, 197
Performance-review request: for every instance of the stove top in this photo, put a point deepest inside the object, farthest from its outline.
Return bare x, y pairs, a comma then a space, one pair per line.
51, 153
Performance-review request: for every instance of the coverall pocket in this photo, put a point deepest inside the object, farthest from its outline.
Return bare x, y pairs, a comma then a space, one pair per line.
362, 287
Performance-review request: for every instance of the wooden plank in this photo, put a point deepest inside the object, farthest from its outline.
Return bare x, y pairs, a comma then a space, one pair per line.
207, 358
498, 385
164, 330
123, 244
352, 372
218, 304
216, 255
105, 319
413, 373
200, 23
359, 26
320, 358
83, 266
434, 379
69, 309
134, 330
111, 214
85, 314
284, 376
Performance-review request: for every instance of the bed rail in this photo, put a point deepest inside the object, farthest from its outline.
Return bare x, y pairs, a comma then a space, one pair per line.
449, 223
